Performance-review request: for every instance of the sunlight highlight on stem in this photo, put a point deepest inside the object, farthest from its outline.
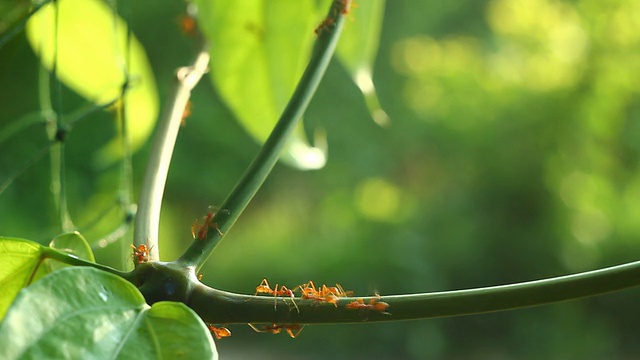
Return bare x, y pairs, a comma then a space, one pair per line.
147, 220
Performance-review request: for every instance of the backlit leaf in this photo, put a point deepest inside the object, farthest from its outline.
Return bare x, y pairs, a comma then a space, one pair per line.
259, 49
89, 47
358, 48
21, 260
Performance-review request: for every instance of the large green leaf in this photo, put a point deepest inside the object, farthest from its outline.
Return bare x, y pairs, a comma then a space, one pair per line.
358, 48
20, 264
24, 262
259, 49
93, 58
85, 313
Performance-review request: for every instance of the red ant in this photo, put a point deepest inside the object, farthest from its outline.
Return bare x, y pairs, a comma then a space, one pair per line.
186, 113
293, 329
264, 288
324, 26
219, 332
324, 293
187, 25
308, 291
345, 6
337, 290
140, 253
203, 230
373, 304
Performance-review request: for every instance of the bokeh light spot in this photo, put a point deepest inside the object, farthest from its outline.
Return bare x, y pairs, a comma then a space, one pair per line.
378, 199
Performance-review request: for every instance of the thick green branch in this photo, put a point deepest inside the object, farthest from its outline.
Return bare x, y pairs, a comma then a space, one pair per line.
221, 307
259, 169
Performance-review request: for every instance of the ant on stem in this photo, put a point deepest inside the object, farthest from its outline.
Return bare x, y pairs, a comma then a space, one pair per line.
374, 304
140, 253
292, 329
346, 6
343, 6
219, 332
199, 231
329, 294
186, 113
324, 26
264, 288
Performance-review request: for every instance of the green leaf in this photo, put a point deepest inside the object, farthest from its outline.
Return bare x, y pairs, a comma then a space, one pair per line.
20, 261
91, 52
259, 49
178, 330
358, 48
91, 314
72, 243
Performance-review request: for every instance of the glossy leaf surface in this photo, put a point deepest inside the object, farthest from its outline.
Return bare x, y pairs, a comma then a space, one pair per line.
91, 314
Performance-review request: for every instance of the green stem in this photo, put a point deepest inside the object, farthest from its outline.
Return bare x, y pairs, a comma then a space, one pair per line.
221, 307
76, 261
265, 160
148, 216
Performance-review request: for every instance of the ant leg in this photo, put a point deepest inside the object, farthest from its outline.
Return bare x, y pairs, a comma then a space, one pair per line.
284, 291
295, 305
294, 327
275, 298
263, 288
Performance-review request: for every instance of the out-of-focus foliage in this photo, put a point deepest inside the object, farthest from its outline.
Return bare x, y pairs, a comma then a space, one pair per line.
358, 48
259, 50
560, 78
512, 155
97, 63
12, 12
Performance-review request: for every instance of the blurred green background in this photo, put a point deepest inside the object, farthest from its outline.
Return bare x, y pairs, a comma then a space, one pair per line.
512, 155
